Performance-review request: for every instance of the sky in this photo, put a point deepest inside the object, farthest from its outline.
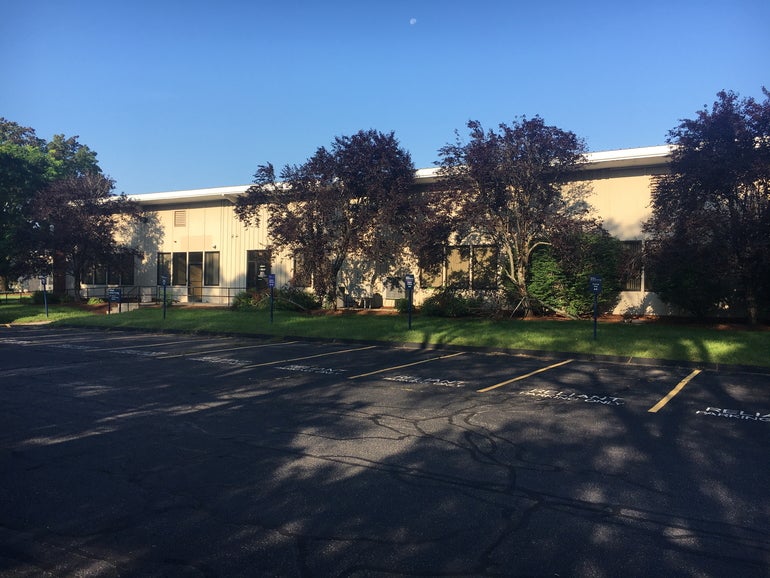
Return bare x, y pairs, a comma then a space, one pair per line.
177, 95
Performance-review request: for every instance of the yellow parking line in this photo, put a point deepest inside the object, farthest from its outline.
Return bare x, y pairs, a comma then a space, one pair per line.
309, 357
530, 374
673, 392
405, 365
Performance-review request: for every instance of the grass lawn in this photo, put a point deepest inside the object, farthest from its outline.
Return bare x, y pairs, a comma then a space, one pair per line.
683, 342
17, 311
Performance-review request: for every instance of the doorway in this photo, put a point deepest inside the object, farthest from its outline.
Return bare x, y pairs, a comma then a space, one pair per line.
195, 277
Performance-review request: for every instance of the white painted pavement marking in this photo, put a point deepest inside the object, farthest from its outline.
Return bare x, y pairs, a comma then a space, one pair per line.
573, 396
310, 356
406, 365
198, 353
738, 414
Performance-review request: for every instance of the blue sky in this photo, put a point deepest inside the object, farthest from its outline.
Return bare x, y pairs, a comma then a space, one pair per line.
192, 94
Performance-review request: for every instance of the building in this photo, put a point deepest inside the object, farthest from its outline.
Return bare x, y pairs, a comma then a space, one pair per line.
193, 242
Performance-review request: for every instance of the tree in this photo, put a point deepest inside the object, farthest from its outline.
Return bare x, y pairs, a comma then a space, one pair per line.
78, 217
355, 198
560, 271
27, 165
513, 186
24, 168
711, 212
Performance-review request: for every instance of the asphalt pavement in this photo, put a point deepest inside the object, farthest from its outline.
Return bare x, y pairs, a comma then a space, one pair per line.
142, 454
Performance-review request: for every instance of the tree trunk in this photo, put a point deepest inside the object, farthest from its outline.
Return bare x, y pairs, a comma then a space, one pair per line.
752, 309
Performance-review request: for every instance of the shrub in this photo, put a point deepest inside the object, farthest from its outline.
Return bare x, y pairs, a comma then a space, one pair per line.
284, 299
38, 299
448, 303
244, 301
559, 275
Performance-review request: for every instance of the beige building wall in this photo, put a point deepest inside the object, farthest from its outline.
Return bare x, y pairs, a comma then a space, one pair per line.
210, 227
204, 221
623, 203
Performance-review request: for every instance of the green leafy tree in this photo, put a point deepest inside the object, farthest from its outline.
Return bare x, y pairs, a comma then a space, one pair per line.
513, 185
25, 168
78, 217
711, 213
352, 199
560, 272
28, 164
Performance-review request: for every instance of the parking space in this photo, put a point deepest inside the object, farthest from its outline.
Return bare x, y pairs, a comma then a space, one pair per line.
164, 454
506, 377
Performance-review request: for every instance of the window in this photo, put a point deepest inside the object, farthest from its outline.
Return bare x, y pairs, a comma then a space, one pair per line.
302, 274
257, 269
179, 269
98, 276
484, 267
632, 266
164, 267
211, 268
458, 267
466, 267
122, 271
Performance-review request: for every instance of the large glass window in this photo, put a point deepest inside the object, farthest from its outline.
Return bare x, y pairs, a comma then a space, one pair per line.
257, 269
179, 269
211, 268
632, 266
465, 267
122, 271
485, 267
99, 275
302, 275
164, 267
458, 267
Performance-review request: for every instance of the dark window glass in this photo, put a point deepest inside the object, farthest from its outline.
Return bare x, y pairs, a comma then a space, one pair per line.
211, 268
458, 267
485, 260
127, 269
164, 267
179, 269
632, 266
99, 276
257, 269
302, 275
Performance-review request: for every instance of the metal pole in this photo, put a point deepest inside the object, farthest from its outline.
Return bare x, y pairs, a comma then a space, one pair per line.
411, 292
596, 306
272, 302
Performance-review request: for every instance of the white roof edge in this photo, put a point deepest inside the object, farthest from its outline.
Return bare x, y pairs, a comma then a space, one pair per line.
191, 194
657, 151
632, 156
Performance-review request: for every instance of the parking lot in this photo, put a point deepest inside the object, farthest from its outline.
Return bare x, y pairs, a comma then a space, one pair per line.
130, 453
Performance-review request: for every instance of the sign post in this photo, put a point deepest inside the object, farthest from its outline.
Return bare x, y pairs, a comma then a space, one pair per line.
409, 283
164, 282
271, 284
595, 285
114, 295
43, 280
